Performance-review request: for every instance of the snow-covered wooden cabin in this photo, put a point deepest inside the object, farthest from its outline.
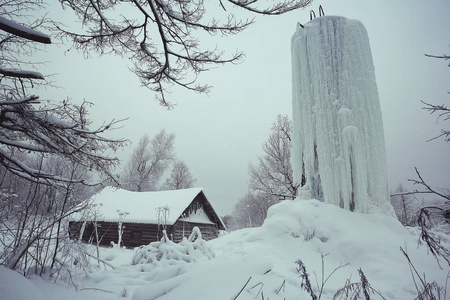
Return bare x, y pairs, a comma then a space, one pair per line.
144, 215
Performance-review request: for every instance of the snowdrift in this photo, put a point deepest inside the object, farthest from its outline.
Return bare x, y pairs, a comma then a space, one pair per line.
14, 286
261, 262
308, 230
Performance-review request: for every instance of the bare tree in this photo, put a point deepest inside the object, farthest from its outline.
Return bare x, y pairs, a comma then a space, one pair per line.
270, 181
148, 162
46, 150
432, 218
32, 231
251, 210
162, 37
443, 113
405, 208
180, 177
41, 127
273, 174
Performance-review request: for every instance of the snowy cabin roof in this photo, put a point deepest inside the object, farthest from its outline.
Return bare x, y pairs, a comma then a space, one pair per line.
142, 207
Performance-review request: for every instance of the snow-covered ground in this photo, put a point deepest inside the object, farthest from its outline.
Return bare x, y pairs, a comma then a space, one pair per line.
258, 263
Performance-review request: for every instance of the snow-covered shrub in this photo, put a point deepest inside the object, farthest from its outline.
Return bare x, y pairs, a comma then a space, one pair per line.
167, 252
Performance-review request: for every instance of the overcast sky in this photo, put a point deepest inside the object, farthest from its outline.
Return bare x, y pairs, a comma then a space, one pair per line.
219, 134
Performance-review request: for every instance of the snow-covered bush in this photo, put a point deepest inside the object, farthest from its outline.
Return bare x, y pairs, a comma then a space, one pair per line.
167, 252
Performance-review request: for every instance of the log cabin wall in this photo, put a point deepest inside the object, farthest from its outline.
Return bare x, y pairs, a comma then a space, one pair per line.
134, 234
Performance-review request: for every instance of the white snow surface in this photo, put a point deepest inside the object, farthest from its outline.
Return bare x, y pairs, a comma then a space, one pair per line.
337, 123
293, 230
141, 207
14, 286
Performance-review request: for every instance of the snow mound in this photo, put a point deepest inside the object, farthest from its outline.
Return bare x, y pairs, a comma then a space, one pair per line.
253, 262
14, 286
330, 229
167, 252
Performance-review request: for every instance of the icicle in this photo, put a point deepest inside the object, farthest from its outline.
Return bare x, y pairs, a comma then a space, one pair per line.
338, 129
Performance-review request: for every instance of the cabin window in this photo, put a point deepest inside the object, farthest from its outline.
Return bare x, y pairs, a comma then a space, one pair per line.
136, 235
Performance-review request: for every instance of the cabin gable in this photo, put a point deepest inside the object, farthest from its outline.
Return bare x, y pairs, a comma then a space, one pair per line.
201, 203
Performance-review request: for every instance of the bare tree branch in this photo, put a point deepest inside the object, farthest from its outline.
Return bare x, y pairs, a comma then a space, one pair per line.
428, 189
444, 57
443, 112
161, 37
276, 9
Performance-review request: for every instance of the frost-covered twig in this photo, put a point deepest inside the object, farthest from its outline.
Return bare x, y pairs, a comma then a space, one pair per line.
36, 234
323, 279
431, 291
99, 259
283, 285
354, 290
430, 238
260, 288
428, 188
306, 284
235, 297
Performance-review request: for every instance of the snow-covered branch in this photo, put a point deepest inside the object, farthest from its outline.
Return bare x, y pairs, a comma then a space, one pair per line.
21, 74
23, 31
276, 9
28, 99
428, 188
58, 130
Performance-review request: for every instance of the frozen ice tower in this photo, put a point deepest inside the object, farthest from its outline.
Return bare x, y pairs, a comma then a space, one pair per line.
338, 140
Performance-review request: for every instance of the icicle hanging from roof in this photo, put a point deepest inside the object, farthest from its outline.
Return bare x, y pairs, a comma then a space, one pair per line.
338, 130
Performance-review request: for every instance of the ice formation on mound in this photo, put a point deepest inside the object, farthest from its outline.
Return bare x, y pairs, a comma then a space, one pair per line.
338, 139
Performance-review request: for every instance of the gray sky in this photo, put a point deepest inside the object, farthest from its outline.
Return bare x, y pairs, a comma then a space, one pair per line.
219, 134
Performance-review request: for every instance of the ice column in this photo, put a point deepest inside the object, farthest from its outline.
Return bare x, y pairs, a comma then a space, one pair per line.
338, 131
